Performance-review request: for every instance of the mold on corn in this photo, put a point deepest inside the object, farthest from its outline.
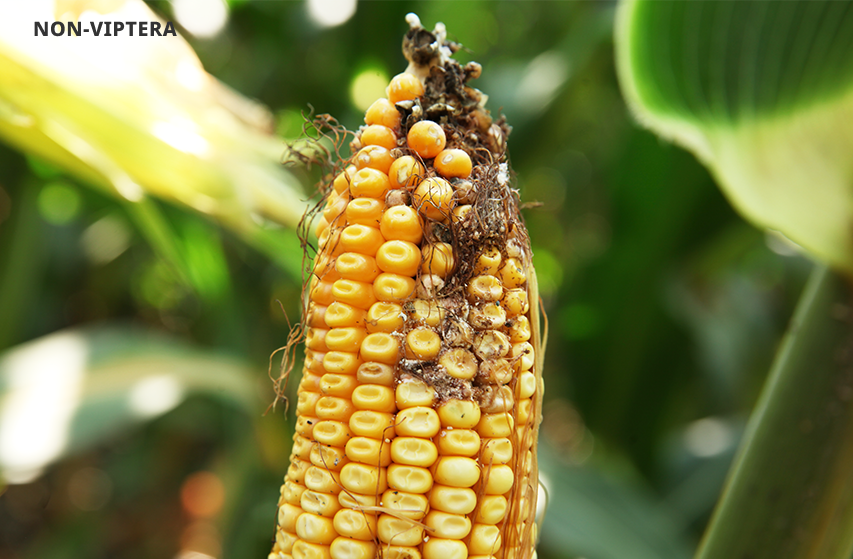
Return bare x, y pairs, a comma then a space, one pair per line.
420, 398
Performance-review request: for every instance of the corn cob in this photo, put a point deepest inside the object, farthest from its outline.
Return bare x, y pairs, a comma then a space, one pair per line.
420, 398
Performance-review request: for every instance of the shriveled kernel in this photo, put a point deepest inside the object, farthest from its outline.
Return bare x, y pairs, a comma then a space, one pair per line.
339, 315
512, 274
332, 407
405, 171
515, 302
427, 311
459, 363
523, 355
374, 157
520, 330
485, 540
492, 509
495, 425
437, 259
370, 451
489, 262
491, 344
365, 211
347, 548
317, 315
447, 525
453, 163
304, 550
418, 421
458, 500
378, 135
413, 451
399, 532
485, 288
361, 239
393, 288
383, 112
314, 362
360, 478
497, 479
374, 397
341, 362
410, 505
369, 183
375, 373
412, 392
458, 442
459, 414
456, 471
373, 424
399, 257
345, 339
359, 294
384, 317
380, 347
355, 524
460, 213
499, 399
323, 480
335, 433
426, 138
496, 451
422, 343
433, 198
321, 504
412, 479
487, 316
404, 87
429, 286
401, 223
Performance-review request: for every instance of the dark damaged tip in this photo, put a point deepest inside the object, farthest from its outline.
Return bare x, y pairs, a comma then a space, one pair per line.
421, 47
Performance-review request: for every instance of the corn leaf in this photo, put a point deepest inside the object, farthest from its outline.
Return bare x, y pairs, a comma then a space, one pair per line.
762, 93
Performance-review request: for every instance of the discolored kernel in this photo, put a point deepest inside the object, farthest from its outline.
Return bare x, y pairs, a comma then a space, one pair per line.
405, 171
374, 157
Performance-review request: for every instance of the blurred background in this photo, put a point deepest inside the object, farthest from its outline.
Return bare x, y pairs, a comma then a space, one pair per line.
133, 390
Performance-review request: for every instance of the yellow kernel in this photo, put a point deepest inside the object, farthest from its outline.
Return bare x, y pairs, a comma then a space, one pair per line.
384, 317
524, 410
330, 241
399, 257
413, 451
315, 529
314, 361
410, 505
287, 517
496, 451
519, 331
440, 548
333, 211
367, 450
456, 471
323, 480
373, 424
368, 183
315, 339
485, 288
355, 524
304, 550
453, 163
376, 373
401, 223
361, 239
400, 552
437, 259
411, 393
491, 344
498, 479
321, 226
427, 311
365, 211
426, 138
515, 302
380, 347
492, 509
359, 294
461, 212
493, 425
305, 425
458, 500
512, 274
412, 479
378, 135
339, 315
485, 540
317, 315
360, 478
322, 293
523, 353
342, 181
489, 316
345, 339
306, 402
459, 414
302, 447
374, 157
526, 386
340, 386
458, 442
459, 363
292, 493
422, 343
393, 288
433, 198
447, 525
374, 397
404, 87
341, 362
399, 532
405, 171
383, 112
321, 504
346, 548
332, 407
335, 433
324, 267
311, 379
418, 421
489, 262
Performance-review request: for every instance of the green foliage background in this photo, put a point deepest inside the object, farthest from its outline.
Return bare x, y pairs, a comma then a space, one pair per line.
664, 307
